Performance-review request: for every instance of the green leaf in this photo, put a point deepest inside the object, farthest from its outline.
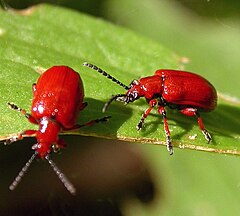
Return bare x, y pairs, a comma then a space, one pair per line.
33, 40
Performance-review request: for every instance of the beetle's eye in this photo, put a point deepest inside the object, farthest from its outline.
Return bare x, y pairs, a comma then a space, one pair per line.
131, 97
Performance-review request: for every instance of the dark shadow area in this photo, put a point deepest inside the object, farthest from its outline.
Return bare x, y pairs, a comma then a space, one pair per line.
222, 121
225, 120
105, 173
118, 112
95, 7
88, 6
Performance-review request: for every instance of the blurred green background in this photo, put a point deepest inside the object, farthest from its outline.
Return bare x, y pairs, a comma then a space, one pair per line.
207, 33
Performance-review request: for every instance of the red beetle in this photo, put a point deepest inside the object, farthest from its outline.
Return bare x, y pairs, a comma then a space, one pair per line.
187, 92
57, 100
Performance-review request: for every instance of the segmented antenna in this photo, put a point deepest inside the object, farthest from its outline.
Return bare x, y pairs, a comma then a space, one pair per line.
69, 186
22, 172
113, 98
104, 73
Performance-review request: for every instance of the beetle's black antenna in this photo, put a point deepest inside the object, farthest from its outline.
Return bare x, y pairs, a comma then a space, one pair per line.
104, 73
69, 186
22, 172
113, 98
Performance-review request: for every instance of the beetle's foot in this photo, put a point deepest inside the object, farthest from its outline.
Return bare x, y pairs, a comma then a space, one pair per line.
140, 123
207, 135
59, 145
56, 148
12, 139
35, 146
169, 146
104, 119
13, 106
139, 126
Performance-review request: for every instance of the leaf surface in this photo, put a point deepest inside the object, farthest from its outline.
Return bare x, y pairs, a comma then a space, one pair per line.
33, 40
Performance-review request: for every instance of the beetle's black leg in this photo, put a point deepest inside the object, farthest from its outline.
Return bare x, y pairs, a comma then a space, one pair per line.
152, 104
203, 129
13, 139
162, 111
23, 112
27, 132
20, 136
194, 112
92, 122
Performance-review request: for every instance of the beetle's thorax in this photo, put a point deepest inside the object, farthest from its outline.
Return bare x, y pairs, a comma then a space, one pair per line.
47, 135
148, 87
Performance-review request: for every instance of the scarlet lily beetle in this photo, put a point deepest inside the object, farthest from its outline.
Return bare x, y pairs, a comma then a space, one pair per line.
184, 91
57, 100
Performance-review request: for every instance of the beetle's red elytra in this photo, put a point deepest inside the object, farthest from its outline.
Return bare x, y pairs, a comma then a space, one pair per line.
58, 97
184, 91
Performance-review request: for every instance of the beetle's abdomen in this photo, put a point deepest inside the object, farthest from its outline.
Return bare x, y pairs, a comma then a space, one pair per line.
59, 94
188, 90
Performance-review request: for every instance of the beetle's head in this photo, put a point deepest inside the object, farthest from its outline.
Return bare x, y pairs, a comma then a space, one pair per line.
134, 92
47, 137
42, 149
